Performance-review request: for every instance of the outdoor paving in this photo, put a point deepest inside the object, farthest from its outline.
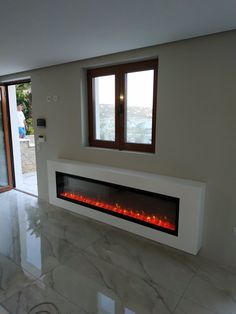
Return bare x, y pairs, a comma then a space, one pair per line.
29, 183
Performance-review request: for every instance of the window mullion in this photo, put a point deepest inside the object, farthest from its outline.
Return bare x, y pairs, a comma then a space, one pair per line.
154, 108
117, 126
120, 109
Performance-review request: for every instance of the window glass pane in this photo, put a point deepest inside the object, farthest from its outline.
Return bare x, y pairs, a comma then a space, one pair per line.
139, 105
104, 111
3, 159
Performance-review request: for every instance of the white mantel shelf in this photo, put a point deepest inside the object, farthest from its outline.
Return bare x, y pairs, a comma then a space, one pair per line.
190, 193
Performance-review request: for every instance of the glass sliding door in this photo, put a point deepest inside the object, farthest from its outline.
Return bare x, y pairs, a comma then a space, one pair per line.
5, 151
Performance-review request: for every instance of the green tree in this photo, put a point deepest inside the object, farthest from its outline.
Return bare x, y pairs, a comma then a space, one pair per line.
24, 97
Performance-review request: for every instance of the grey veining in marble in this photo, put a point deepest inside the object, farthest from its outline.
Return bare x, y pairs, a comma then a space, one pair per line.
3, 310
53, 261
215, 289
37, 298
188, 307
146, 259
82, 278
12, 278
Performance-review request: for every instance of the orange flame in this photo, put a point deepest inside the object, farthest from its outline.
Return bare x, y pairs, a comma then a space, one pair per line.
139, 215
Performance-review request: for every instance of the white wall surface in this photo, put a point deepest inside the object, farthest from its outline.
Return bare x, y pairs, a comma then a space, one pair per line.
196, 125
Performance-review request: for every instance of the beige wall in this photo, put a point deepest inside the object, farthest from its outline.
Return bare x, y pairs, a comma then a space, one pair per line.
196, 125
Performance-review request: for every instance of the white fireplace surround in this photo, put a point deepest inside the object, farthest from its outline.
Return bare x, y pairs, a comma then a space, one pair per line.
190, 193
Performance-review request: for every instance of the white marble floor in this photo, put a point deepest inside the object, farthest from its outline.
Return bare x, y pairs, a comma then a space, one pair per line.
55, 262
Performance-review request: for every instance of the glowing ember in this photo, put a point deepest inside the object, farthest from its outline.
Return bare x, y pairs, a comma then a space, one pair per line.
139, 215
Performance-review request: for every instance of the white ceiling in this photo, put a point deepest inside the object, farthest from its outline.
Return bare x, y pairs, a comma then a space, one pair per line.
46, 32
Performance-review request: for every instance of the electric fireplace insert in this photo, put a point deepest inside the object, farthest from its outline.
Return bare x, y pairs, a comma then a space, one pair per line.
143, 207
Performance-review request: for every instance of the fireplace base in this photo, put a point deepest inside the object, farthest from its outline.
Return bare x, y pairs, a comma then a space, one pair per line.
189, 193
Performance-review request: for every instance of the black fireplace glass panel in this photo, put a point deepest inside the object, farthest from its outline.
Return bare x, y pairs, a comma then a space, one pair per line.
147, 208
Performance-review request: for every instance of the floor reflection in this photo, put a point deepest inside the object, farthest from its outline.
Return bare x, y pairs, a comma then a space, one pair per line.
106, 305
30, 240
19, 238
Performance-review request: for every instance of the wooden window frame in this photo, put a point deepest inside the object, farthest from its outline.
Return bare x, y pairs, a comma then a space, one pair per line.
120, 71
7, 141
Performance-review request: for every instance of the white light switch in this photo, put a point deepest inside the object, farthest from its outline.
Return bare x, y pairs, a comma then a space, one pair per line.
55, 98
41, 138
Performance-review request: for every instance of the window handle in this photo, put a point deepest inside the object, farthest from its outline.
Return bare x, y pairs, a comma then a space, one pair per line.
120, 109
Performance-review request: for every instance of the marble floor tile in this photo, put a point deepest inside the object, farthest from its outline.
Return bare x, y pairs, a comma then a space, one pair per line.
75, 230
214, 293
86, 279
188, 307
146, 259
3, 310
23, 241
37, 298
72, 228
12, 278
18, 206
218, 276
84, 266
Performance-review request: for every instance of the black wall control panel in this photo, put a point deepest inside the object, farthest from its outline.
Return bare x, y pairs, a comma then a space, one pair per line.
41, 123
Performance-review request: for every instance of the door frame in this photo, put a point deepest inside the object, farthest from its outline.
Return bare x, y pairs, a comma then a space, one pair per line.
7, 139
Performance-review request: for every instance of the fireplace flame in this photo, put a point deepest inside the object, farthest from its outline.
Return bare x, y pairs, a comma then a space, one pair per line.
116, 208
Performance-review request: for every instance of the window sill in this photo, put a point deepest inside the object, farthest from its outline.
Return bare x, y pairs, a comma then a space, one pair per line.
117, 151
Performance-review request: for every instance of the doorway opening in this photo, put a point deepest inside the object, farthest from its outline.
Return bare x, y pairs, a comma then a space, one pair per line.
23, 140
